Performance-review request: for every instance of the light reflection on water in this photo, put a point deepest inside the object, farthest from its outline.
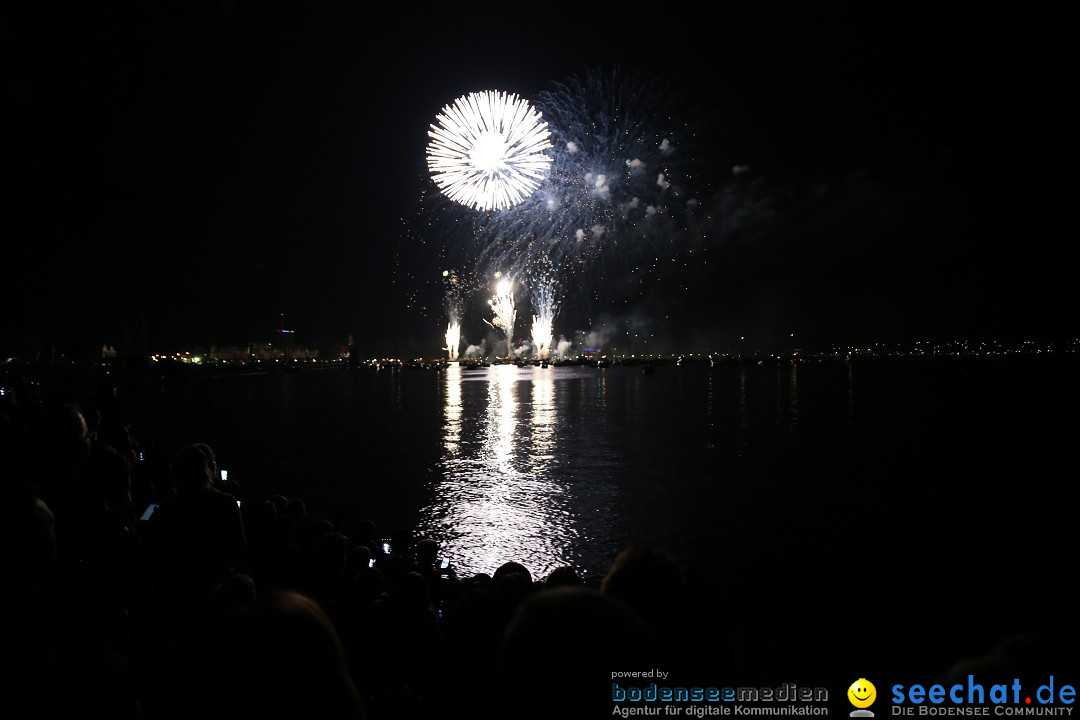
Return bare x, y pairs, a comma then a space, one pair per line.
504, 493
730, 466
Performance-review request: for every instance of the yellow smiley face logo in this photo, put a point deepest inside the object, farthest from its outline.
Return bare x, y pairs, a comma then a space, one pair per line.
862, 693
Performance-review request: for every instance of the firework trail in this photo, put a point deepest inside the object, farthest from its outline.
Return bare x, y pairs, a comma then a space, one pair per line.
453, 339
457, 289
453, 306
545, 290
502, 304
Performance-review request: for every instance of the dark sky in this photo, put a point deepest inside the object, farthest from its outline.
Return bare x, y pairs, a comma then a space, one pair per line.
179, 173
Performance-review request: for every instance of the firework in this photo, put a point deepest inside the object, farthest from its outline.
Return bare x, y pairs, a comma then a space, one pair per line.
542, 336
488, 150
454, 298
616, 197
544, 294
502, 304
613, 215
453, 339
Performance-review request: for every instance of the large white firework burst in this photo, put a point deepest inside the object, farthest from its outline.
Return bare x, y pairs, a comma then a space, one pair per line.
487, 150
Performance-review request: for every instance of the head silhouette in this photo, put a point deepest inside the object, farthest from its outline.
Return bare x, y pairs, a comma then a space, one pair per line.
192, 470
62, 438
279, 657
567, 639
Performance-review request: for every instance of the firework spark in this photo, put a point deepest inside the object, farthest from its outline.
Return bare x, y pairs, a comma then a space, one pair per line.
545, 301
615, 203
488, 150
453, 339
614, 213
454, 299
502, 304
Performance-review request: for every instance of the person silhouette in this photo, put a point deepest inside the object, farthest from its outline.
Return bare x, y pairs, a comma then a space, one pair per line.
277, 657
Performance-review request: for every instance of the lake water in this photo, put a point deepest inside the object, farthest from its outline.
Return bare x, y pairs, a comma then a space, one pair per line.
887, 510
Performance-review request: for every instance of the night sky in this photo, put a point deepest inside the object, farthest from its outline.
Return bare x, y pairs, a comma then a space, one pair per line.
180, 173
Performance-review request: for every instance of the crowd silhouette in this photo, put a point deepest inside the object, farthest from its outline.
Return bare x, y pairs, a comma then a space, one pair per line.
146, 589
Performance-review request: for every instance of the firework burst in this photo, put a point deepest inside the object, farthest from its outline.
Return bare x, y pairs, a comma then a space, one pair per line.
488, 150
612, 215
616, 199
